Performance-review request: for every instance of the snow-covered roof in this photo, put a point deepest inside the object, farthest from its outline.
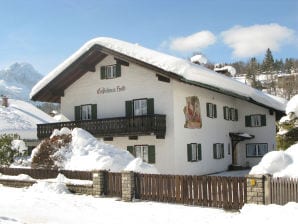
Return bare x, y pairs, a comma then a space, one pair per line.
183, 69
21, 117
227, 68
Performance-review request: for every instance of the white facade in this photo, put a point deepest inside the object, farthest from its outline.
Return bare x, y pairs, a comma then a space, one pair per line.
138, 82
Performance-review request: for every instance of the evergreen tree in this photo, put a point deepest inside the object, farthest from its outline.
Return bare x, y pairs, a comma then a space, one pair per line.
252, 71
268, 62
289, 65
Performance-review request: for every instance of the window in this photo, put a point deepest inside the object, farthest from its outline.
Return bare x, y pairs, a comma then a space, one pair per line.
256, 149
145, 152
86, 112
211, 110
194, 152
110, 71
256, 120
218, 151
230, 113
139, 107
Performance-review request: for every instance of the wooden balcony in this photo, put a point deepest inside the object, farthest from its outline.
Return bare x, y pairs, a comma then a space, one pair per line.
112, 127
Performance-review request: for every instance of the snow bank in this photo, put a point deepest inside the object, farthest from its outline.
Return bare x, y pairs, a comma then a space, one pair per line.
279, 163
21, 177
49, 187
85, 152
137, 165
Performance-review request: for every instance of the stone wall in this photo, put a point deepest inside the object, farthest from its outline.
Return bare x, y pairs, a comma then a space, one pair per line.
255, 189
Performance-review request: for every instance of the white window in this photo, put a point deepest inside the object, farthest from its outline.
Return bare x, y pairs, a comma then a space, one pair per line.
141, 151
110, 71
211, 110
255, 120
86, 112
194, 152
140, 107
256, 149
218, 151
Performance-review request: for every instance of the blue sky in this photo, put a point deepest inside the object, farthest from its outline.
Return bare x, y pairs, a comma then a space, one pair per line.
45, 32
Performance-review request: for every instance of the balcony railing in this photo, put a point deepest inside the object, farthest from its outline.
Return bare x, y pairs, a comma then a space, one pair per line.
112, 127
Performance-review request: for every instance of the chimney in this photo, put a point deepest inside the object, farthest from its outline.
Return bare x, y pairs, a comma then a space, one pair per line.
4, 101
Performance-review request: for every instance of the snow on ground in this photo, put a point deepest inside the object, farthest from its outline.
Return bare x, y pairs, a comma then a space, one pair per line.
21, 117
88, 153
46, 205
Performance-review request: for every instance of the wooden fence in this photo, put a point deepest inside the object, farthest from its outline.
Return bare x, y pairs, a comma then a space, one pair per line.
47, 173
113, 184
210, 191
283, 190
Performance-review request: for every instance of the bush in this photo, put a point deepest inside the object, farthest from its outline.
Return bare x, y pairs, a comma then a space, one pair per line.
7, 152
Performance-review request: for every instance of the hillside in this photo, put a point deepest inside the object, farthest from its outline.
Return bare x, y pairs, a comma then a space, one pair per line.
17, 80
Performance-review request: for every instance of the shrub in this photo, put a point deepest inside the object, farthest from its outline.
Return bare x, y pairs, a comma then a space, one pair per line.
7, 151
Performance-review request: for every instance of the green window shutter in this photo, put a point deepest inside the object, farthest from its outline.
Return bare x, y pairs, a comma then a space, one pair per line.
247, 121
150, 106
94, 111
128, 108
77, 113
103, 72
207, 109
199, 152
225, 112
131, 150
222, 149
214, 151
236, 115
151, 154
263, 120
189, 154
214, 111
118, 70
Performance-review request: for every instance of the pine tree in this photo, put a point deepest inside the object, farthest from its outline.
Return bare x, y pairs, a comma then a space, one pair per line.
268, 62
289, 65
252, 71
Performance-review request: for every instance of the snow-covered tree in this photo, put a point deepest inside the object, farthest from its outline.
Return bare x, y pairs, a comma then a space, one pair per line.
288, 125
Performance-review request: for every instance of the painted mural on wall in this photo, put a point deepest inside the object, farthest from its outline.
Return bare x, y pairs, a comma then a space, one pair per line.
192, 113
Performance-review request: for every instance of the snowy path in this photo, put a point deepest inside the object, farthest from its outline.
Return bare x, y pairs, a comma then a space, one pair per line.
27, 206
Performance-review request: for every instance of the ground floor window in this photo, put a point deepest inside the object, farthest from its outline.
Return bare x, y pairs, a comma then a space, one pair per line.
145, 152
218, 151
256, 149
194, 152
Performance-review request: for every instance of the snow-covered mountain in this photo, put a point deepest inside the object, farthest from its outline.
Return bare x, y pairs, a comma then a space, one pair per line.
17, 80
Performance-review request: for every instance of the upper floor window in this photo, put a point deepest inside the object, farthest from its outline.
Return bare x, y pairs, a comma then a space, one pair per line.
139, 107
230, 113
110, 71
194, 152
256, 149
86, 112
256, 120
218, 151
211, 110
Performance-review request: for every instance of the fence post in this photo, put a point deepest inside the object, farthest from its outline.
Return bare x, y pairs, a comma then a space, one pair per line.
267, 189
98, 182
128, 185
255, 189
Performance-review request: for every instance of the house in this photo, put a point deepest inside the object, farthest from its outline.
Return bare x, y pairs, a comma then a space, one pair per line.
20, 117
180, 116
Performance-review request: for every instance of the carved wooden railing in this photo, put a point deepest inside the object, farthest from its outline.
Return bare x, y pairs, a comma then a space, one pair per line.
112, 127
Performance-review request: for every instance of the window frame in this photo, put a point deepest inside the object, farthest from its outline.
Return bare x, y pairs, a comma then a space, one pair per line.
143, 110
257, 150
255, 120
148, 157
218, 150
194, 152
211, 110
111, 71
